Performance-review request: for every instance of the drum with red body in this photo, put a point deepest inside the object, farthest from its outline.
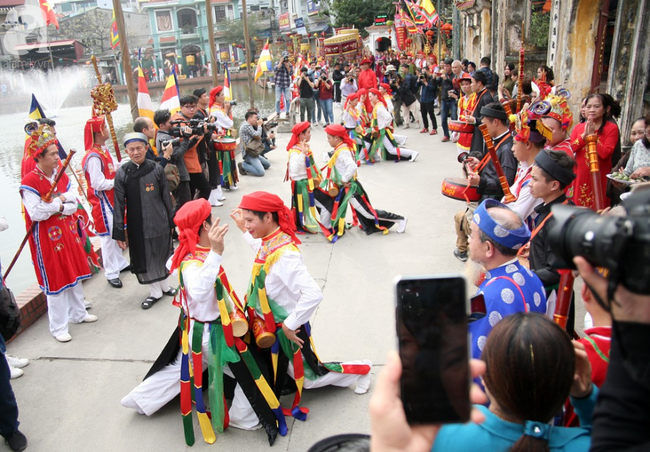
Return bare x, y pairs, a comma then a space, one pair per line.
457, 188
225, 144
460, 126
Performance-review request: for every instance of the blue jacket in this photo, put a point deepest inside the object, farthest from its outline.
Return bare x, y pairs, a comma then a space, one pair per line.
495, 434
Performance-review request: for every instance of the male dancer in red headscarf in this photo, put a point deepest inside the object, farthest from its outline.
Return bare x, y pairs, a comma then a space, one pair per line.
205, 295
99, 169
342, 174
306, 194
286, 296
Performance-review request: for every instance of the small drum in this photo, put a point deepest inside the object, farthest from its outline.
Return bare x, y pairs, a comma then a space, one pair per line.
263, 337
225, 144
460, 126
239, 323
456, 188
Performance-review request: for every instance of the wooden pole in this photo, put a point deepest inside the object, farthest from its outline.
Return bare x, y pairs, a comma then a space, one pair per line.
213, 53
247, 38
126, 58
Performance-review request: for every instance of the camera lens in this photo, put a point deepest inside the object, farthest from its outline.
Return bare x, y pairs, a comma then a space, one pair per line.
582, 232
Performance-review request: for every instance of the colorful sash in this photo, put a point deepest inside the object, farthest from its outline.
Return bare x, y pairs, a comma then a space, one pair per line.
378, 143
273, 248
225, 349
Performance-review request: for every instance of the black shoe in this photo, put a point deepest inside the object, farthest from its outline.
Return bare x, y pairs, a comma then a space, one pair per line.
149, 302
460, 256
16, 441
126, 269
171, 292
116, 283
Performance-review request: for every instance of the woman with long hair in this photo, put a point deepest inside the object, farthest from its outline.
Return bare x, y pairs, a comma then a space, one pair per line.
600, 110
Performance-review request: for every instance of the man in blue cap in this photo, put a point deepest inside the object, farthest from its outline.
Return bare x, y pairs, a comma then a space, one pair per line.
508, 287
142, 195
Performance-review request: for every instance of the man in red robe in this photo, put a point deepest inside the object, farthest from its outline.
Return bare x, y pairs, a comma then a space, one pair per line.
55, 240
99, 170
367, 77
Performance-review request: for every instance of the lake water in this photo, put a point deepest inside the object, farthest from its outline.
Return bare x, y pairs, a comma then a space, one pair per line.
70, 120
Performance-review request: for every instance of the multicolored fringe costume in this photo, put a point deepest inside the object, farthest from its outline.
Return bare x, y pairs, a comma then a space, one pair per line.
283, 350
357, 135
378, 141
382, 220
225, 350
227, 162
303, 197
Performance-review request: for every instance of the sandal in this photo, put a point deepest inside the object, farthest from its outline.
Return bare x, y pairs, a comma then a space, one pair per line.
149, 302
171, 292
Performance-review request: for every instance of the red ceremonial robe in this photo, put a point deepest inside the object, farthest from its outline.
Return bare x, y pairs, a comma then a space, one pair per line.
58, 255
100, 201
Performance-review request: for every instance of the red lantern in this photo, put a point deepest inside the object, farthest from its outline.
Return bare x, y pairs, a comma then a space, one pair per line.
430, 34
409, 41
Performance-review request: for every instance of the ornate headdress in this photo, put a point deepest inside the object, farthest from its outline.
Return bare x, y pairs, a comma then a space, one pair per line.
41, 136
528, 128
555, 106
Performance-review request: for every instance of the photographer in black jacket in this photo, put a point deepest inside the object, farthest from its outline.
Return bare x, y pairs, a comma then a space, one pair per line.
162, 118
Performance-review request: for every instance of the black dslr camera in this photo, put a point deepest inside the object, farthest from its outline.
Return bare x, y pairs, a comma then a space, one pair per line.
620, 244
195, 124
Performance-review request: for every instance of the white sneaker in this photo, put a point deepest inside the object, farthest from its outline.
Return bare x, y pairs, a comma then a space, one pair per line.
401, 225
216, 203
87, 304
18, 363
89, 319
220, 196
15, 373
64, 337
233, 187
414, 156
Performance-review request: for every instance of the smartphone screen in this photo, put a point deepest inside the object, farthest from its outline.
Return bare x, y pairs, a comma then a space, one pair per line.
432, 334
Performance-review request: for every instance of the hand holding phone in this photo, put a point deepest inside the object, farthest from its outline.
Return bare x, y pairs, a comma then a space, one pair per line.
433, 348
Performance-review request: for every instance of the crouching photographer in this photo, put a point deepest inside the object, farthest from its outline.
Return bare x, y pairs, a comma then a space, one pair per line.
621, 245
268, 135
164, 139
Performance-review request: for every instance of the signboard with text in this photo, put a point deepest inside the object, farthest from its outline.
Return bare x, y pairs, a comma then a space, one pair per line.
381, 19
312, 8
300, 26
284, 21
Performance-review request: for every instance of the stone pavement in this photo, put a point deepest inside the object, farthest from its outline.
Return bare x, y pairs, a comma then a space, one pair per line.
70, 393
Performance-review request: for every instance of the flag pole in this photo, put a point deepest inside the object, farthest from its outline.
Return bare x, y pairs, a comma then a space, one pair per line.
248, 53
126, 58
213, 54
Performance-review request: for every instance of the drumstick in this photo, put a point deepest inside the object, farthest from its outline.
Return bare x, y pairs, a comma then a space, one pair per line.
497, 165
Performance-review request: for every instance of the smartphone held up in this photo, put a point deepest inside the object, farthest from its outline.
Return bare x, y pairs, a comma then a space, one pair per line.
433, 347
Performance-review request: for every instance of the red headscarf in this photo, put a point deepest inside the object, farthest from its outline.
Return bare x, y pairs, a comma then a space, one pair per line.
261, 201
297, 130
379, 95
340, 131
364, 92
93, 125
350, 97
214, 92
189, 219
386, 86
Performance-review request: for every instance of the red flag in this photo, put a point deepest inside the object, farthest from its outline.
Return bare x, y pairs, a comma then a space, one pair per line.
48, 14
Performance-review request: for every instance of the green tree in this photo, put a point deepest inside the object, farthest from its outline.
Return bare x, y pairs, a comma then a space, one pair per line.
232, 31
91, 29
360, 13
